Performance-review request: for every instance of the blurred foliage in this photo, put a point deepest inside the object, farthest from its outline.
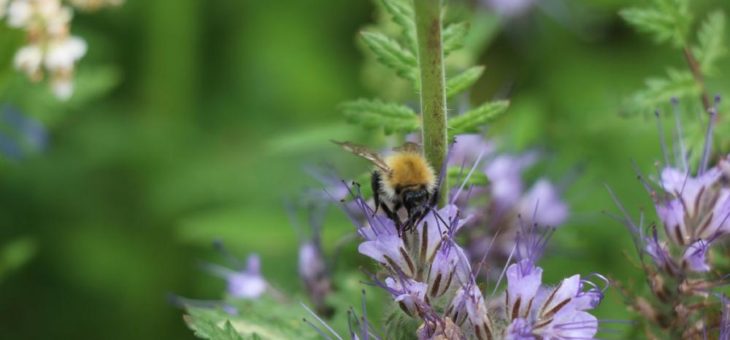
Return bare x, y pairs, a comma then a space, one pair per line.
192, 123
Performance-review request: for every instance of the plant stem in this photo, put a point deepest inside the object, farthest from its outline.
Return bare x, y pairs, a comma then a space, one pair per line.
433, 95
694, 67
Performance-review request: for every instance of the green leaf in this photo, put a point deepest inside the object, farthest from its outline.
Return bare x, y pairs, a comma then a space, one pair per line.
205, 324
457, 175
665, 20
711, 42
260, 319
392, 54
463, 80
473, 120
659, 91
454, 36
375, 114
402, 13
15, 254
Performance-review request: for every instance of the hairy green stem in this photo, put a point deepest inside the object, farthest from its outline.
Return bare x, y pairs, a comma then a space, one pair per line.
433, 94
694, 67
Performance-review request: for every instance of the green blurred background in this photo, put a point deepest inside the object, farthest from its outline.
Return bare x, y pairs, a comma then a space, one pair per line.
193, 121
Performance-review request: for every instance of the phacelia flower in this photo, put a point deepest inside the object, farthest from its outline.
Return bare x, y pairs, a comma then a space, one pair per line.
693, 208
507, 202
427, 265
245, 283
312, 267
692, 202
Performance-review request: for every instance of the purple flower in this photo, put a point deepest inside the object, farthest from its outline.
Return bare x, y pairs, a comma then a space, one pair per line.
542, 205
693, 207
409, 294
467, 148
695, 256
468, 306
523, 281
390, 251
550, 313
696, 207
311, 264
243, 284
505, 176
536, 311
427, 264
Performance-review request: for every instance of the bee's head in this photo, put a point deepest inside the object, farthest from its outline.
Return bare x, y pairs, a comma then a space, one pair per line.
415, 200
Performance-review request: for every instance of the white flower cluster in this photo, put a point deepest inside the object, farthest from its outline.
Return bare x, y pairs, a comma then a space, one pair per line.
51, 51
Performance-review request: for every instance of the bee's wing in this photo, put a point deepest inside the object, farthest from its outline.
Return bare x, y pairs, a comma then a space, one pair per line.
366, 153
409, 147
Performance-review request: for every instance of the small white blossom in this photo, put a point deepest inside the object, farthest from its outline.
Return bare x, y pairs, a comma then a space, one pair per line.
28, 59
62, 55
51, 50
19, 13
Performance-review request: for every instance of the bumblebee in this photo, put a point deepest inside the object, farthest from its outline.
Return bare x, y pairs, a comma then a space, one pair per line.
403, 183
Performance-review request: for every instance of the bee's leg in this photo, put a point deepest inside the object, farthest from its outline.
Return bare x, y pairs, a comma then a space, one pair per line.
375, 185
391, 215
413, 219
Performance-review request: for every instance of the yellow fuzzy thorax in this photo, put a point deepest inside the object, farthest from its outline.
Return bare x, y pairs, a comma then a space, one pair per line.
408, 168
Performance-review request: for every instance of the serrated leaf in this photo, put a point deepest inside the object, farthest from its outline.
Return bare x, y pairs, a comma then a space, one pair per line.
402, 13
463, 80
666, 20
392, 54
473, 120
457, 175
454, 36
205, 325
259, 319
711, 42
659, 91
375, 114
